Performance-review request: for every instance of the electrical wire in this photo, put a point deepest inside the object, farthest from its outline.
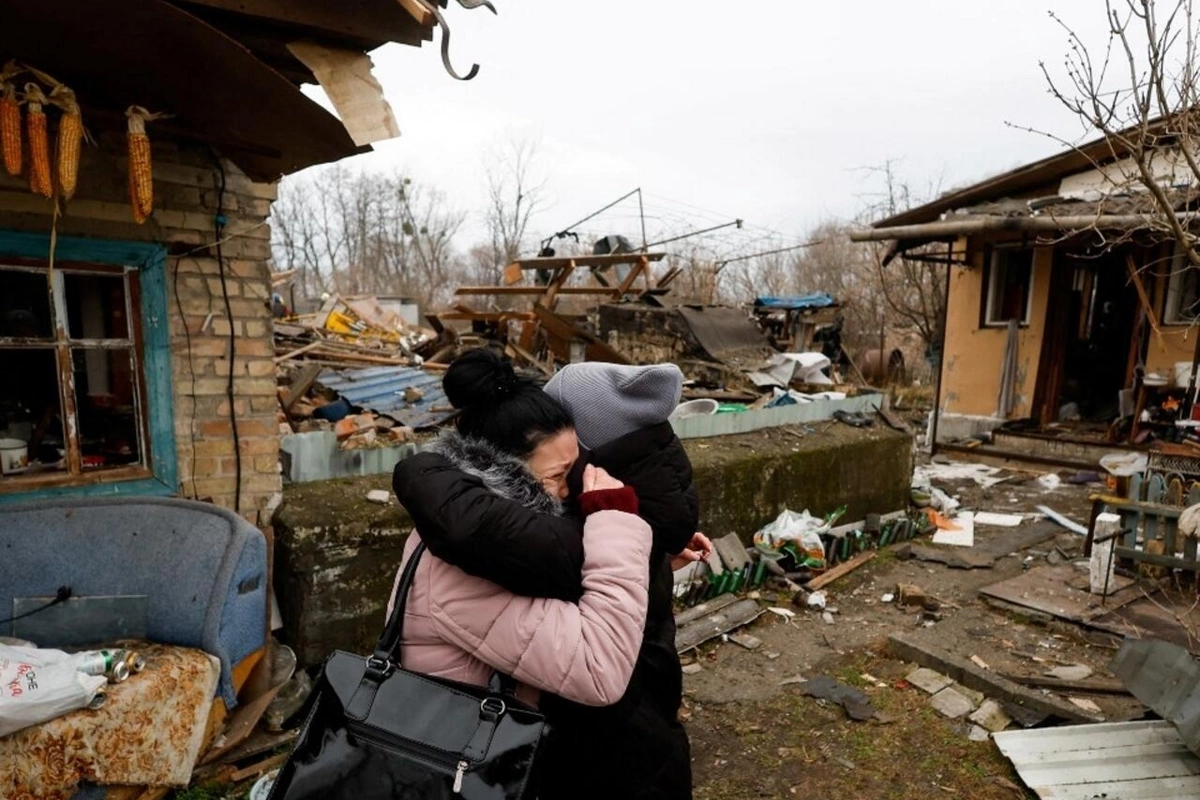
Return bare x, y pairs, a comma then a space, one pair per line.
61, 596
187, 334
219, 222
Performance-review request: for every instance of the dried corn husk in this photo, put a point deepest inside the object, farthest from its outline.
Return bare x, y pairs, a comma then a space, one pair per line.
141, 182
39, 141
70, 140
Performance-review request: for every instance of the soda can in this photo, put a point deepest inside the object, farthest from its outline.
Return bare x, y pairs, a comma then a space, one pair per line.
98, 700
135, 661
103, 662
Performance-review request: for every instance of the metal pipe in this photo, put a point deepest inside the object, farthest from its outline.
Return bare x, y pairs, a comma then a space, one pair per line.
1045, 223
937, 392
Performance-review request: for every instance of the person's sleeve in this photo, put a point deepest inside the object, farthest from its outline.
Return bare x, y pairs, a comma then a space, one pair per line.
466, 524
581, 652
668, 497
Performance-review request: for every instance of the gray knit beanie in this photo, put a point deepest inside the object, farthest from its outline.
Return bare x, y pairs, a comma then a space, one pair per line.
608, 401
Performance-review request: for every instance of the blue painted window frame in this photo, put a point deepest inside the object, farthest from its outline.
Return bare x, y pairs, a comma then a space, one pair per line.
151, 262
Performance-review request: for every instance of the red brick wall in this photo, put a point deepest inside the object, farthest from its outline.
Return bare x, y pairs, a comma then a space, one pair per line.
186, 182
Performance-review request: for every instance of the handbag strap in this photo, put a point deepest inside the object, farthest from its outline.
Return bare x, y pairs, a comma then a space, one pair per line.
387, 648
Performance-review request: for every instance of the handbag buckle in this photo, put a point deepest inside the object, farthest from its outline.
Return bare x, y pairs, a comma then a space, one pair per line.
379, 665
493, 706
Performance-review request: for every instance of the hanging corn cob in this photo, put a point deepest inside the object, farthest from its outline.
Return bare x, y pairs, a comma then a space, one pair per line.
10, 119
39, 141
70, 138
141, 184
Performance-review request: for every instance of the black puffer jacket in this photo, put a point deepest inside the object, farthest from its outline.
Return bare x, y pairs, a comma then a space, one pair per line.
636, 748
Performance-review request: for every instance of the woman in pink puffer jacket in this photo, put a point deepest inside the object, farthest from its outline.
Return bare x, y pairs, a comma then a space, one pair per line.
520, 444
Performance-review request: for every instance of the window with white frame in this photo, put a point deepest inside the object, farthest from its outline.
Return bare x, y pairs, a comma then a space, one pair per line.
72, 401
1183, 291
1008, 286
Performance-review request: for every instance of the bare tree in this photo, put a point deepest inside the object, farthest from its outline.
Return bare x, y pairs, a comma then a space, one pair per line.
913, 289
1140, 93
366, 233
515, 189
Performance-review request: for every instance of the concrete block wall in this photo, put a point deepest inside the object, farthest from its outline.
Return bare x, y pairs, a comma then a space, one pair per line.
187, 197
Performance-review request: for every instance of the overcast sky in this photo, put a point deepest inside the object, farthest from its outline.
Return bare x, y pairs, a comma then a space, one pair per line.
765, 111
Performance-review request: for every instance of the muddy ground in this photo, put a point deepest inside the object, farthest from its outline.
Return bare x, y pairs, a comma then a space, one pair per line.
753, 737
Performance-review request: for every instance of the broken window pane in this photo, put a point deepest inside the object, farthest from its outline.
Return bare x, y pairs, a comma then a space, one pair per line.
1009, 282
30, 412
25, 305
1183, 294
96, 306
106, 396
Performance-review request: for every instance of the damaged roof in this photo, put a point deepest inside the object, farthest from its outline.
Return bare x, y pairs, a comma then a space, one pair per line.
223, 69
1017, 183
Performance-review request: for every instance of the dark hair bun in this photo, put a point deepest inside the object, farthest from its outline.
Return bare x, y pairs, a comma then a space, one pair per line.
480, 377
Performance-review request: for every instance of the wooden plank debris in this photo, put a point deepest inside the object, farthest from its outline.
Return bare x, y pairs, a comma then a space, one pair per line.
727, 619
845, 568
254, 770
907, 647
704, 609
1088, 685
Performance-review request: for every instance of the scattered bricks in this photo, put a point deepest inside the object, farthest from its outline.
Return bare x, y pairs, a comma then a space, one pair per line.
927, 680
949, 703
382, 496
692, 669
991, 717
913, 596
978, 734
909, 647
355, 424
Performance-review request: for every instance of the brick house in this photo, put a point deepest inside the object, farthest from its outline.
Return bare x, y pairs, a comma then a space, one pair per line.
134, 356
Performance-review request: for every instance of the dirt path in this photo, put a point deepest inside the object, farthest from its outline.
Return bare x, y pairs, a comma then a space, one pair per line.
753, 737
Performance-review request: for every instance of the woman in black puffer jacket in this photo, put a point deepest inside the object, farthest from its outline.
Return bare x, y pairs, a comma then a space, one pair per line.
637, 747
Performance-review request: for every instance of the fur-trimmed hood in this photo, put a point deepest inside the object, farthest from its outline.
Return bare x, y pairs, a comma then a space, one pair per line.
502, 473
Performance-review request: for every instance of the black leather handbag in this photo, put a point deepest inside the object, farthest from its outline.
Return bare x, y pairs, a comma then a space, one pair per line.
377, 730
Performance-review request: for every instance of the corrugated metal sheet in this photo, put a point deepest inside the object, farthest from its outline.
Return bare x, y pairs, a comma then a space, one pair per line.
315, 456
381, 389
1165, 677
799, 414
1115, 760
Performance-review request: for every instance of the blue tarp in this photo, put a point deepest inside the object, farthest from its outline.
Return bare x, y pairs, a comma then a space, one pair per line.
797, 302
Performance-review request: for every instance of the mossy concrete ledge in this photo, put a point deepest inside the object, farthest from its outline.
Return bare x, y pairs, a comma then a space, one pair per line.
336, 554
744, 481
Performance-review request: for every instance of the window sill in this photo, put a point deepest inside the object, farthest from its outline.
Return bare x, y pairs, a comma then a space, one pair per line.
999, 326
118, 480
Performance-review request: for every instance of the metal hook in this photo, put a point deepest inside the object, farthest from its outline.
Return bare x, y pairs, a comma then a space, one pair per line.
437, 12
473, 4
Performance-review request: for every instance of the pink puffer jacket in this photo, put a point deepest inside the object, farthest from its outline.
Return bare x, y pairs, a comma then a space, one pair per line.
460, 627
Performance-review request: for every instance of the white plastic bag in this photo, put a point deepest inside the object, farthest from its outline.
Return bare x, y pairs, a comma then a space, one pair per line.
38, 685
795, 535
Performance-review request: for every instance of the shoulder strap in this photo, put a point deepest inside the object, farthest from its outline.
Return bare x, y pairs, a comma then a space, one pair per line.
388, 647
